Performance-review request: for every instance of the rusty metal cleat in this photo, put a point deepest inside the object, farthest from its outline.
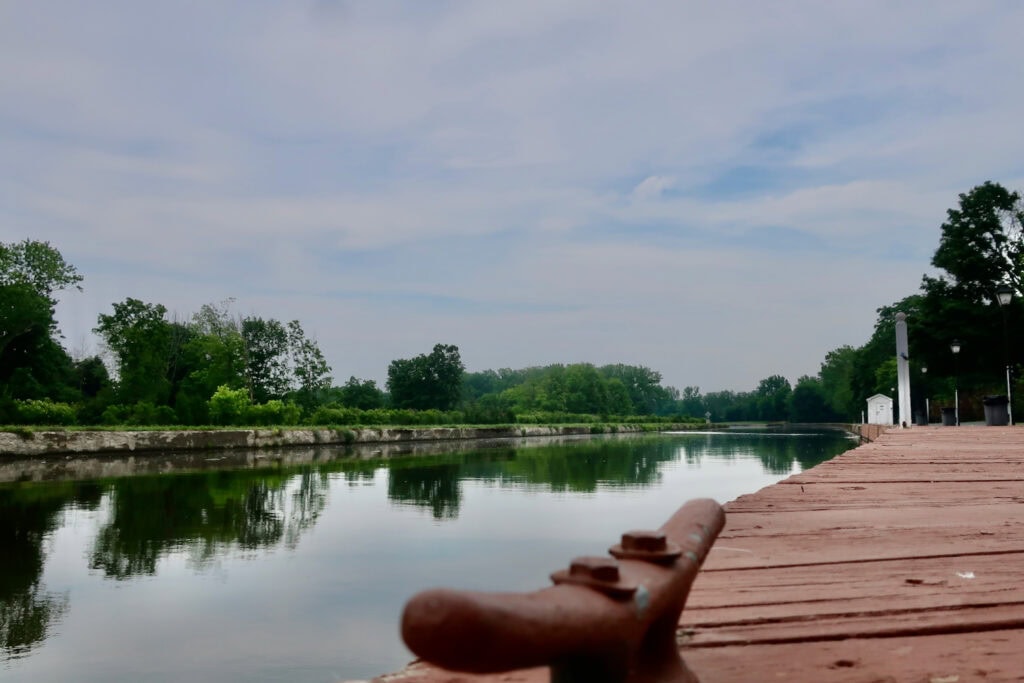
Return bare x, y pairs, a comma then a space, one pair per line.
605, 621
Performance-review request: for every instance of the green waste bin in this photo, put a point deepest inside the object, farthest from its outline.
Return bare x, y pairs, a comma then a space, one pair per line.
949, 417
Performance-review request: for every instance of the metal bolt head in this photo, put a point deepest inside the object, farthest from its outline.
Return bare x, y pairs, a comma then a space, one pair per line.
596, 568
644, 541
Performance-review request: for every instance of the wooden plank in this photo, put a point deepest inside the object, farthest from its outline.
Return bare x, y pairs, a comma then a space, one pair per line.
989, 657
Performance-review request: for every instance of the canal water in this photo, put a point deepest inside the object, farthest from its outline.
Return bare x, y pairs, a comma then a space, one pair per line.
294, 566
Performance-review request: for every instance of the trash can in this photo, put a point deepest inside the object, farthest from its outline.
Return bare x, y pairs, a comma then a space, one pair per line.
997, 412
949, 417
921, 419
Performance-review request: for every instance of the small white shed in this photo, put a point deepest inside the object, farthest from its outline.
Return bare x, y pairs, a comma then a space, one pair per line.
880, 410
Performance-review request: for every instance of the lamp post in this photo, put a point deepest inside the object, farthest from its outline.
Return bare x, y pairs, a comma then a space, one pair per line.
955, 348
924, 387
1005, 294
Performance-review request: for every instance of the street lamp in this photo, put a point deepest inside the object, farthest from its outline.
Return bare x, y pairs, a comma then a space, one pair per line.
955, 348
1005, 294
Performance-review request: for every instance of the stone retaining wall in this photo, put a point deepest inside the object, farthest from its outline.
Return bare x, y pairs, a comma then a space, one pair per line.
82, 442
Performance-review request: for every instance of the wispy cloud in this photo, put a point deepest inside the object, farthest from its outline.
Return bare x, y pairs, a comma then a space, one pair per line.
537, 181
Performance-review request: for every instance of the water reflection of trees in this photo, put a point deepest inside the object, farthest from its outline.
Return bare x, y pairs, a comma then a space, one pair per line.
204, 515
435, 487
777, 452
585, 466
28, 514
434, 483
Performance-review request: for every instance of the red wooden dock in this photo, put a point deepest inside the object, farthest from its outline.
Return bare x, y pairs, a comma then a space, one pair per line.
901, 560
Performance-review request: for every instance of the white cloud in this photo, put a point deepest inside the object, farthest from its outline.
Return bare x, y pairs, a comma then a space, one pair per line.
652, 187
535, 181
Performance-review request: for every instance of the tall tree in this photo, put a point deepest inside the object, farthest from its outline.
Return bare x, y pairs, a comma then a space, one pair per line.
142, 341
808, 402
773, 398
37, 265
982, 245
33, 364
427, 381
311, 372
362, 394
266, 358
836, 377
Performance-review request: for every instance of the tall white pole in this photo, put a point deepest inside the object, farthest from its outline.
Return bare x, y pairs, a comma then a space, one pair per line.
903, 370
1009, 397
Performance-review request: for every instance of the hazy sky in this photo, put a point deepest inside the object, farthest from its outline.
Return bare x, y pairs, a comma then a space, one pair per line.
719, 191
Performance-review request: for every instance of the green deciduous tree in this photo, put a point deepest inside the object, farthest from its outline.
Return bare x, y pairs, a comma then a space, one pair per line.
427, 381
362, 394
982, 244
33, 364
311, 372
773, 398
143, 343
808, 402
836, 377
37, 265
266, 358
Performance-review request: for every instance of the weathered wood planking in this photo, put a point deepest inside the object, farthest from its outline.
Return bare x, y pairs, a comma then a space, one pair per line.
901, 560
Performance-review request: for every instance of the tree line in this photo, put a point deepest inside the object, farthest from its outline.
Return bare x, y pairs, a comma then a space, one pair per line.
218, 368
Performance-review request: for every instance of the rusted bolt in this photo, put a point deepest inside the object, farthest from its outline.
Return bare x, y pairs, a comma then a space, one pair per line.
596, 568
644, 541
599, 573
651, 546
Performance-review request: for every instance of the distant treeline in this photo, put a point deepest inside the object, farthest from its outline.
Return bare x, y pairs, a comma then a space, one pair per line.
215, 368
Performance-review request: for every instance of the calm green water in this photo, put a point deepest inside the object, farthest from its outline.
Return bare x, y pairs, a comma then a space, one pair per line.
294, 567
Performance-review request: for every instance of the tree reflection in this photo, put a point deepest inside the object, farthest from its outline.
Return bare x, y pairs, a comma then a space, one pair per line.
579, 467
204, 515
435, 487
28, 514
585, 466
777, 451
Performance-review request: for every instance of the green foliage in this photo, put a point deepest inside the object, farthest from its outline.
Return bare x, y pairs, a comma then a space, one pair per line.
577, 388
266, 358
38, 266
91, 376
982, 245
229, 406
488, 409
33, 365
773, 398
144, 345
643, 386
141, 414
836, 383
808, 402
362, 394
273, 412
310, 369
427, 381
44, 412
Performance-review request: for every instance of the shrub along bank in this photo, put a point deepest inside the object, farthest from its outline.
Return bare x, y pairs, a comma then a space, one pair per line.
232, 408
